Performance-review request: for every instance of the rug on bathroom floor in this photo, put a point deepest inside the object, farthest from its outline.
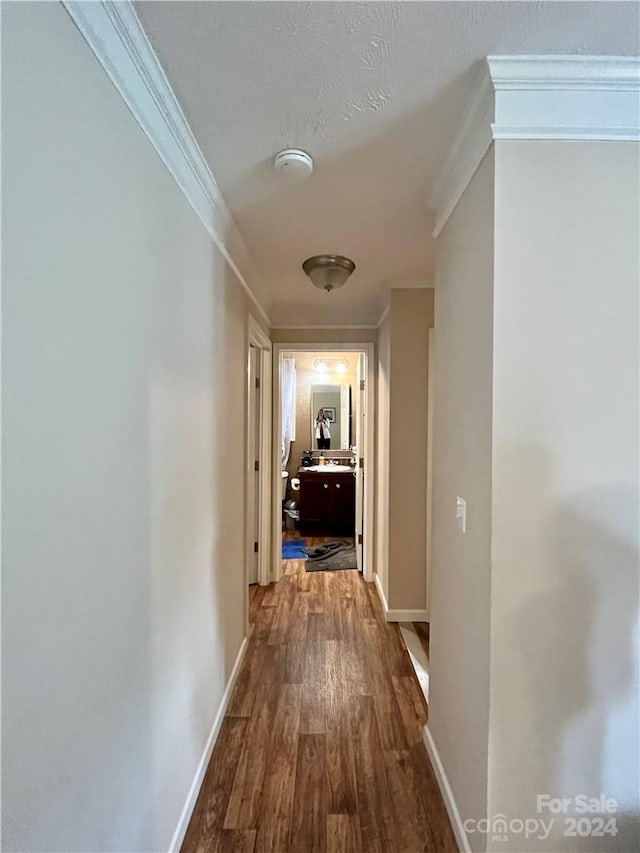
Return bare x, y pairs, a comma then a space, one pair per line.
331, 557
294, 549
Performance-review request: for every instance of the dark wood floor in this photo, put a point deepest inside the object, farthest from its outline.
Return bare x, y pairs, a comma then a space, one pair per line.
321, 748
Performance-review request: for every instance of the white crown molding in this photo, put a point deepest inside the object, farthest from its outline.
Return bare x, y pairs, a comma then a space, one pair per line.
409, 284
115, 35
470, 144
599, 134
593, 98
319, 327
565, 73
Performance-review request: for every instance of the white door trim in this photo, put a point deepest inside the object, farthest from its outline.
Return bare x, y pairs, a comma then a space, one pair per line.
430, 412
358, 396
368, 348
257, 338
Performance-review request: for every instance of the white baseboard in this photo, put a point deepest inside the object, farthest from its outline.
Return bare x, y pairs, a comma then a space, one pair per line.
394, 615
447, 793
406, 616
383, 597
194, 790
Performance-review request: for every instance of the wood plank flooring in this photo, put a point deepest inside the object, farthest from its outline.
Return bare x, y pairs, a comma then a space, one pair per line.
321, 748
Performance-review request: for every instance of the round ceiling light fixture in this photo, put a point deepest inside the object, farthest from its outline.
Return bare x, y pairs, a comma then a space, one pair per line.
293, 164
328, 272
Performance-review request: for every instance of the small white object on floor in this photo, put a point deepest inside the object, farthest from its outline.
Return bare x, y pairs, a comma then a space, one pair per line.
417, 654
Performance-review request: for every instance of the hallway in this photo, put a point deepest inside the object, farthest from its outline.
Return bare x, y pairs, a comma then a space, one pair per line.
321, 748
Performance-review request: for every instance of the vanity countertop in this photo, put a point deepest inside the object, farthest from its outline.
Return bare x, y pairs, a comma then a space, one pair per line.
327, 468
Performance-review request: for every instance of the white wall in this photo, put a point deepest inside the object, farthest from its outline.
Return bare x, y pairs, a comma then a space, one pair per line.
565, 716
123, 418
411, 318
401, 515
534, 619
460, 571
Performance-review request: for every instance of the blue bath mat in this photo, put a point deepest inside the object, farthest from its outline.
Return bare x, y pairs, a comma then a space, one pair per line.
293, 549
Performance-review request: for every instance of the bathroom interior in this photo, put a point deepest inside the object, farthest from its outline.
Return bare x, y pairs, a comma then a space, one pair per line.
320, 403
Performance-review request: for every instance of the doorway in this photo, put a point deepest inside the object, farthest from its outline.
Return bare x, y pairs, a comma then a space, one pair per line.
347, 417
258, 460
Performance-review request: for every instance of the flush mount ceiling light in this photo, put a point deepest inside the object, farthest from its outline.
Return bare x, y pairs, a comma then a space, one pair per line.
328, 272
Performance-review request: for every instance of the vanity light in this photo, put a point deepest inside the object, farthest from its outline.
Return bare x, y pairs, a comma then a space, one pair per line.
324, 365
328, 272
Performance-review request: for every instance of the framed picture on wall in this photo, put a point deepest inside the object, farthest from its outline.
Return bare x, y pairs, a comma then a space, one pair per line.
330, 414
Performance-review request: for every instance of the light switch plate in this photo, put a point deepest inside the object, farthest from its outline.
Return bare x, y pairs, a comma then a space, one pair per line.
461, 514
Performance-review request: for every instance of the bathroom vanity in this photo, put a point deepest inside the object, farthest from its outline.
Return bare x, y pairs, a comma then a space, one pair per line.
327, 498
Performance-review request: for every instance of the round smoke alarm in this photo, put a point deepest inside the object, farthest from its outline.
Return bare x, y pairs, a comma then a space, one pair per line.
293, 164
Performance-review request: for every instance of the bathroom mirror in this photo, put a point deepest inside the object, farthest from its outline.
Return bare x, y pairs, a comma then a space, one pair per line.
336, 424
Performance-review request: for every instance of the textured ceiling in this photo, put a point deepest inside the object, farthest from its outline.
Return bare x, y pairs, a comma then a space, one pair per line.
373, 91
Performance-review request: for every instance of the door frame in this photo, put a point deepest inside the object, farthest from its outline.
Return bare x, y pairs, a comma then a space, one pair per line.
252, 494
360, 396
430, 413
258, 338
368, 348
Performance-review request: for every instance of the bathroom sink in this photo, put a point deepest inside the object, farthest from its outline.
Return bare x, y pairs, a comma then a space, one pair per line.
328, 468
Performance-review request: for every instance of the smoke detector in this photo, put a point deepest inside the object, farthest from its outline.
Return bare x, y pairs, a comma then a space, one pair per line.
293, 164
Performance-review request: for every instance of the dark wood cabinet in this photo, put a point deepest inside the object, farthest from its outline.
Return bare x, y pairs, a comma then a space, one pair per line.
327, 501
342, 505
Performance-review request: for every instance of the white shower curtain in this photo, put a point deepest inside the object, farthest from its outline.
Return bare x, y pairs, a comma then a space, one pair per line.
344, 417
288, 407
